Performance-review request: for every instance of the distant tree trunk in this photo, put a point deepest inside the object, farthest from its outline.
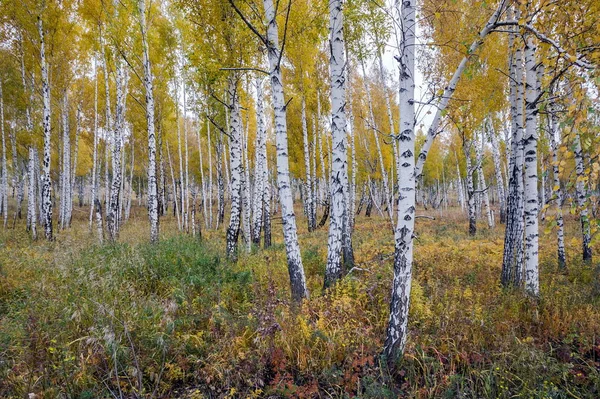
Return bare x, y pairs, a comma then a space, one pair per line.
65, 184
220, 183
202, 179
94, 186
186, 191
31, 194
246, 210
75, 159
260, 161
46, 119
4, 168
459, 185
558, 197
308, 192
108, 135
235, 157
175, 201
266, 199
481, 180
580, 192
148, 86
121, 91
467, 144
378, 145
498, 173
210, 178
99, 227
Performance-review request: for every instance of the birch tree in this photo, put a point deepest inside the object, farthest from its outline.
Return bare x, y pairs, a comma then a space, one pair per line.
148, 86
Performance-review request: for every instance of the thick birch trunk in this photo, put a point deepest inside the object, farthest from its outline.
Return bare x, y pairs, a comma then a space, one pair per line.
46, 178
532, 285
148, 86
397, 328
512, 262
235, 157
295, 268
339, 160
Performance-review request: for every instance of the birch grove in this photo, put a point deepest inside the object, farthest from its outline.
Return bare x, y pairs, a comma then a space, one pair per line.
282, 123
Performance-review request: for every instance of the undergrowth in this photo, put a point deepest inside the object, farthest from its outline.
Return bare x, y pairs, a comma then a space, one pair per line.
175, 319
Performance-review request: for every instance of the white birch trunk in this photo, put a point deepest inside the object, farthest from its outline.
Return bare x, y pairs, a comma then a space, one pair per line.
235, 157
31, 195
46, 178
339, 158
397, 328
66, 167
558, 197
260, 161
148, 86
117, 144
481, 180
532, 285
295, 268
498, 173
581, 194
512, 262
308, 192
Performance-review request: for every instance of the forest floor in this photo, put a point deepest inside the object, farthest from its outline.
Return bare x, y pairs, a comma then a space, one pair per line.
82, 320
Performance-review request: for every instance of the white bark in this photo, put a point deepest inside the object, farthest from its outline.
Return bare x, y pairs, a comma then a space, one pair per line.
498, 172
397, 328
308, 191
260, 162
532, 285
235, 157
581, 194
117, 144
66, 167
295, 268
512, 262
31, 195
339, 158
483, 188
148, 86
46, 123
558, 197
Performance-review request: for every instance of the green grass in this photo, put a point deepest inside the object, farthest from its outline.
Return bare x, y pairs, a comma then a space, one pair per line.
175, 319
